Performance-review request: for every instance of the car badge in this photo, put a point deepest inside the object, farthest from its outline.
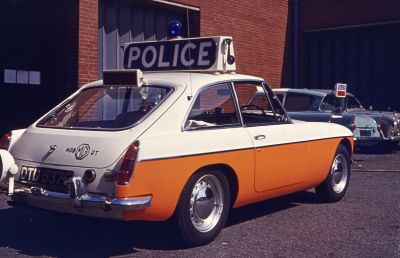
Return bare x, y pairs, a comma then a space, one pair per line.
82, 151
52, 148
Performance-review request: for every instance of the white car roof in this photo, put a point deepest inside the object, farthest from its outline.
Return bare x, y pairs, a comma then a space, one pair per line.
320, 93
181, 79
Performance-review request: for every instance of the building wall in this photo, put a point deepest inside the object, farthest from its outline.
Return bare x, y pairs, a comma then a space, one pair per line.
330, 13
88, 41
352, 41
260, 29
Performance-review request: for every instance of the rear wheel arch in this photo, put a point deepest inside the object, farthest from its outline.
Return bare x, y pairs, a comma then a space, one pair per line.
230, 174
227, 170
204, 203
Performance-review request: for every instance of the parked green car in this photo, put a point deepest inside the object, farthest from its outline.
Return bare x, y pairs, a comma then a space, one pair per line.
369, 127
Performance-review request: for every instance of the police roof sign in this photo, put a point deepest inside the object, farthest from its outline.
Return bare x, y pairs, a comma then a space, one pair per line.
340, 90
170, 55
195, 54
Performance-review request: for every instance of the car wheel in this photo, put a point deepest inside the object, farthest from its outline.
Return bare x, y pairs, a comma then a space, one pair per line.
334, 187
203, 207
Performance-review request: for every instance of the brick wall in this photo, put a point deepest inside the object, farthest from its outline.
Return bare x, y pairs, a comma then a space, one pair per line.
88, 41
330, 13
259, 28
68, 76
260, 32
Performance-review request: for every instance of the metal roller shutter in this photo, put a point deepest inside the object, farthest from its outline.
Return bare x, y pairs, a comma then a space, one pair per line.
367, 58
127, 21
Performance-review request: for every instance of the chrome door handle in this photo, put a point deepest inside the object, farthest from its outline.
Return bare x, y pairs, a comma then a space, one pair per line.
259, 137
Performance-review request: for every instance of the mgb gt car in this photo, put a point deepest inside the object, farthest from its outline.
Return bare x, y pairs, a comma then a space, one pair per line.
369, 127
153, 144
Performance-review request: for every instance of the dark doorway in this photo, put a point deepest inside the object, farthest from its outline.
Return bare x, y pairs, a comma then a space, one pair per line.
367, 58
37, 58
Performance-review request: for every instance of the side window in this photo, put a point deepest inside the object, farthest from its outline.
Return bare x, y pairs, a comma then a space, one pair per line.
280, 97
214, 106
299, 102
258, 106
329, 103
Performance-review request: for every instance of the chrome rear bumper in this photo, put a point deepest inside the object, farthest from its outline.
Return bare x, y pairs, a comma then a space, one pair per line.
78, 201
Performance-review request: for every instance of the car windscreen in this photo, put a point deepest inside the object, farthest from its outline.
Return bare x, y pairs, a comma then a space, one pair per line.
353, 103
330, 103
106, 107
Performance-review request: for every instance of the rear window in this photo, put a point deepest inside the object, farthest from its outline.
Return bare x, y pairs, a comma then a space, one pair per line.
299, 102
106, 107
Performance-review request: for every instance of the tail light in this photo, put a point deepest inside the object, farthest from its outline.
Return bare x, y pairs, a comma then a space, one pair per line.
379, 123
128, 164
5, 141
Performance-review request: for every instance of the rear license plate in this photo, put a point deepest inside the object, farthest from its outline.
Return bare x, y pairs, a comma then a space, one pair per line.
44, 176
365, 133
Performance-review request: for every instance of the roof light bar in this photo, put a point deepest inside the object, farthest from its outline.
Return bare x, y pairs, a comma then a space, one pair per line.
123, 77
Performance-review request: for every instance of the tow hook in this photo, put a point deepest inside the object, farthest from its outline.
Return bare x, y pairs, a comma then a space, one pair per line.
38, 191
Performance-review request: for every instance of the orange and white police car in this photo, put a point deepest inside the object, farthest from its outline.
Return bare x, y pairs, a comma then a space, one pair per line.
172, 134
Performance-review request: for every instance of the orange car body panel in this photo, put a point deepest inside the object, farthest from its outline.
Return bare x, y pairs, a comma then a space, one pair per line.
164, 179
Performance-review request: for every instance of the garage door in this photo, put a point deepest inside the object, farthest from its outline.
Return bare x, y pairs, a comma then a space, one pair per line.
37, 59
368, 59
127, 21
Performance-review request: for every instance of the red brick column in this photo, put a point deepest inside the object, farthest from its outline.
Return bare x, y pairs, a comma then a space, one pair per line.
88, 41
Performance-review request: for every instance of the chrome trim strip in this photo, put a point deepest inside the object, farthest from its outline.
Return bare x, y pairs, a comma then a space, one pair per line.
185, 6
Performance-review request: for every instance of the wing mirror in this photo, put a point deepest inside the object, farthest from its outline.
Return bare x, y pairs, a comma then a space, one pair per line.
7, 164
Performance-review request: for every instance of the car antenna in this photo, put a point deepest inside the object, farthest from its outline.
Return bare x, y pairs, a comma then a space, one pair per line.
190, 54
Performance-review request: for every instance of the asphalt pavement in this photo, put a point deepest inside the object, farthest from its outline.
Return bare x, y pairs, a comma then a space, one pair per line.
366, 223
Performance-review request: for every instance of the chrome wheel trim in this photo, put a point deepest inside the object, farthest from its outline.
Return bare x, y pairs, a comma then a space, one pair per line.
206, 203
339, 173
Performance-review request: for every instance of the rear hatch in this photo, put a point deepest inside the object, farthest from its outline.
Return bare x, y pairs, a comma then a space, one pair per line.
92, 149
93, 128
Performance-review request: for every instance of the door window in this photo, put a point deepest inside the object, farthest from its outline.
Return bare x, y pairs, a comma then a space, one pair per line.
213, 107
258, 106
299, 102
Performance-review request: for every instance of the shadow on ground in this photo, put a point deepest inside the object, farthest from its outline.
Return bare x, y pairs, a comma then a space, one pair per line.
379, 149
37, 232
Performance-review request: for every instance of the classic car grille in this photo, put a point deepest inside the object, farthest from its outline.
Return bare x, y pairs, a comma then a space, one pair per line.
365, 133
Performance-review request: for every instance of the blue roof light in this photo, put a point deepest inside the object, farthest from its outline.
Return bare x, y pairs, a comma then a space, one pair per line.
175, 29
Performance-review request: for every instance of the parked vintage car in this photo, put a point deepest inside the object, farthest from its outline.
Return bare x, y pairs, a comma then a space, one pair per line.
369, 127
147, 146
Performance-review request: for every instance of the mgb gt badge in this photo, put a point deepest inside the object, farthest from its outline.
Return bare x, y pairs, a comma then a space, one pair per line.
82, 151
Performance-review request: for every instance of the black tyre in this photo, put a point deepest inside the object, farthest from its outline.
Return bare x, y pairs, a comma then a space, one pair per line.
334, 187
203, 207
